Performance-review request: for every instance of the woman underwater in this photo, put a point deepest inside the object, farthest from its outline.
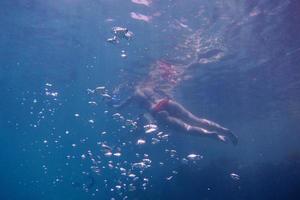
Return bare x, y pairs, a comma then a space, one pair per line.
176, 116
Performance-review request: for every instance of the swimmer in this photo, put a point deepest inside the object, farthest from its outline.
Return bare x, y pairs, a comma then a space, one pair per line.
176, 116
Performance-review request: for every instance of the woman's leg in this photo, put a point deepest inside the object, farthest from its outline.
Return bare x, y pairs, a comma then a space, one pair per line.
178, 111
180, 125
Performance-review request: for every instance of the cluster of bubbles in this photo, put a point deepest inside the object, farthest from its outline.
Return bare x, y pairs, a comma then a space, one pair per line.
117, 168
114, 168
42, 105
132, 172
120, 33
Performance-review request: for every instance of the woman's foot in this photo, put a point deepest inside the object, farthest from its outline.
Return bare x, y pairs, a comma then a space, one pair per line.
233, 138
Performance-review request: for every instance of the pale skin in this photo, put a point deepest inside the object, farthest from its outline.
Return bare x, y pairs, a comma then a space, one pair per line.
176, 116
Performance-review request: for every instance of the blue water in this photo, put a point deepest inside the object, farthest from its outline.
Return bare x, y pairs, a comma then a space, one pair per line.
245, 76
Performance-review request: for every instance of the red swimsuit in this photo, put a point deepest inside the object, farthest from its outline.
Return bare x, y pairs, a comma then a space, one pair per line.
161, 105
